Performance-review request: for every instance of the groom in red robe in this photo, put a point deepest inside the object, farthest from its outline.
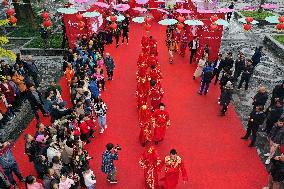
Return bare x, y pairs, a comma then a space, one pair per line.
173, 167
161, 121
150, 162
156, 94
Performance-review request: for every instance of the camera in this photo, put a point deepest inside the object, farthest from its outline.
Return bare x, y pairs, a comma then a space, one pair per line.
117, 147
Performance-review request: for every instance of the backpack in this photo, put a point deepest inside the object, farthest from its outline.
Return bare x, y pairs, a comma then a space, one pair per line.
208, 75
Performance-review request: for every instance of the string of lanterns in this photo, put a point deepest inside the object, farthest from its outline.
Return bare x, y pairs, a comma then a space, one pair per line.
213, 25
113, 19
46, 21
280, 25
180, 24
11, 16
81, 23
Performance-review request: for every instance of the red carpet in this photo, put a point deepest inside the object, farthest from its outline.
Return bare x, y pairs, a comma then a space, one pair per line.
210, 145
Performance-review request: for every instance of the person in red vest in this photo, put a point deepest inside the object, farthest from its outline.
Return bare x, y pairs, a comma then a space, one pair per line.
161, 121
150, 162
144, 116
156, 94
173, 167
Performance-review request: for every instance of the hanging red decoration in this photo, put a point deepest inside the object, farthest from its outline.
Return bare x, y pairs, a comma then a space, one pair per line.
247, 27
47, 23
113, 18
5, 3
249, 19
213, 27
180, 18
79, 17
113, 25
10, 12
13, 20
180, 26
147, 19
281, 19
280, 26
214, 18
45, 15
147, 27
81, 25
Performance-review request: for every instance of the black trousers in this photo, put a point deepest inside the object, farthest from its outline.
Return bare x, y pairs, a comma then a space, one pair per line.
125, 36
269, 125
192, 54
216, 74
110, 74
246, 80
116, 40
224, 108
237, 74
35, 109
252, 130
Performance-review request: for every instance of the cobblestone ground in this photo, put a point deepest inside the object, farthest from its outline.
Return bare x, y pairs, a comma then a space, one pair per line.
269, 72
49, 70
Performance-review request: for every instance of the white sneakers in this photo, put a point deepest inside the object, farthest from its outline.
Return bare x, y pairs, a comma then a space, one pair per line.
267, 154
267, 161
101, 131
105, 126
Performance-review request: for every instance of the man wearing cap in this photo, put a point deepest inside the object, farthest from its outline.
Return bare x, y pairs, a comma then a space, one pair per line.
226, 97
8, 163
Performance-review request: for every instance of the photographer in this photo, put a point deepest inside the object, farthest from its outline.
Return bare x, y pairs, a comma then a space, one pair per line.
8, 163
107, 162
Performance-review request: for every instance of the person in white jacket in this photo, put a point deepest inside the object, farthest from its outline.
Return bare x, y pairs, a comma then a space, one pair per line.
89, 178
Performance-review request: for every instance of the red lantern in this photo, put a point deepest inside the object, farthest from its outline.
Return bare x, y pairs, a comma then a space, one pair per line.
5, 3
10, 12
47, 23
247, 27
79, 17
147, 27
113, 25
181, 19
180, 26
45, 15
249, 19
147, 19
113, 18
13, 20
213, 27
214, 18
281, 19
81, 25
280, 26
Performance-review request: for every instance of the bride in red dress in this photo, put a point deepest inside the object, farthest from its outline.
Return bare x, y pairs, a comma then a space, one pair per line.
150, 162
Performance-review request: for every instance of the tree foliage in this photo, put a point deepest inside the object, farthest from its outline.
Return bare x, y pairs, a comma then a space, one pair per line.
3, 41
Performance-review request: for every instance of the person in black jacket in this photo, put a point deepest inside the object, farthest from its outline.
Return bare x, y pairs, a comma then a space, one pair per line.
226, 97
217, 68
109, 63
257, 55
227, 76
261, 97
125, 30
228, 62
35, 99
246, 75
117, 34
193, 47
273, 114
277, 172
277, 93
239, 66
4, 183
256, 118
